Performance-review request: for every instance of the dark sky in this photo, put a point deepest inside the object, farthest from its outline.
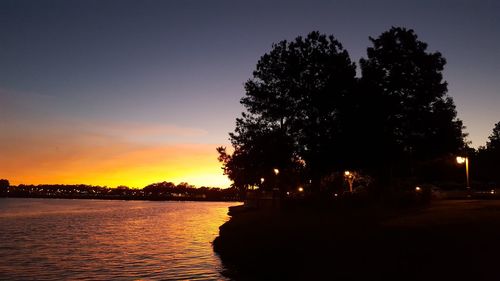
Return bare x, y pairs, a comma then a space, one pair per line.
167, 73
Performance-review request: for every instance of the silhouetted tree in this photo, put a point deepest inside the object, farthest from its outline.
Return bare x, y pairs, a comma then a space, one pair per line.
406, 113
185, 186
296, 95
494, 139
486, 164
258, 150
121, 190
306, 110
4, 185
157, 189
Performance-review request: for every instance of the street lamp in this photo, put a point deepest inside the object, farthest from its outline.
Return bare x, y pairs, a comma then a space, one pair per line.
276, 172
276, 187
350, 179
461, 160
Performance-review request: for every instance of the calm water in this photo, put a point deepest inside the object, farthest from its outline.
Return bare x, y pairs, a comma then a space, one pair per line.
55, 239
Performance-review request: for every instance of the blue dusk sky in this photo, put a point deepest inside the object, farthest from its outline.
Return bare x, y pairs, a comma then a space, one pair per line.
133, 92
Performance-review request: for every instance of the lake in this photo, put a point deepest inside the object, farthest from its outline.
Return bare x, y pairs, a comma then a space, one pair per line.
55, 239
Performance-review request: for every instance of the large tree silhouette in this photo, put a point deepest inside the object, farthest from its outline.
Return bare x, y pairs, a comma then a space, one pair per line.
405, 109
297, 92
307, 112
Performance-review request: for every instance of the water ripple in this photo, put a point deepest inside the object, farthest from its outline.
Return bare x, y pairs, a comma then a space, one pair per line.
46, 239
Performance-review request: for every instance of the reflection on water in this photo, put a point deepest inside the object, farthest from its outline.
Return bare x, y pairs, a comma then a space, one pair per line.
50, 239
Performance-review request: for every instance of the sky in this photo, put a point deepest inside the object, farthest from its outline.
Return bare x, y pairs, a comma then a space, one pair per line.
130, 93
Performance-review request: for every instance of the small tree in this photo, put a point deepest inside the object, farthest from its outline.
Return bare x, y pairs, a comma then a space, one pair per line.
494, 139
4, 185
487, 166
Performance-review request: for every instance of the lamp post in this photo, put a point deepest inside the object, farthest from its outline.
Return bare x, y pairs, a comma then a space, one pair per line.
276, 172
260, 185
462, 160
276, 187
350, 179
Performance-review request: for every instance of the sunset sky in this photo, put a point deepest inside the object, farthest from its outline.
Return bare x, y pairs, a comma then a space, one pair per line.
134, 92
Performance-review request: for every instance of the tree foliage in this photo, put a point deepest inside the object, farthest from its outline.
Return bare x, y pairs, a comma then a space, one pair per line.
494, 139
486, 165
306, 112
4, 184
292, 107
258, 150
404, 106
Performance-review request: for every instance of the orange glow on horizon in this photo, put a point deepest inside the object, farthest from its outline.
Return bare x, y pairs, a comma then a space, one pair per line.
116, 164
109, 154
133, 177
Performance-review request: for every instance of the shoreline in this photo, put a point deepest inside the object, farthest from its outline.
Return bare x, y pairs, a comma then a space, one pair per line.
126, 198
449, 239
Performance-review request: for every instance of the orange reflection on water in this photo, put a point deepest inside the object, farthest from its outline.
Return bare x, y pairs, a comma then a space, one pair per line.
103, 240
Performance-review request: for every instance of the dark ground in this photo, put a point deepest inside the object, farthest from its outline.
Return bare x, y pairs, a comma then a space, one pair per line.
448, 240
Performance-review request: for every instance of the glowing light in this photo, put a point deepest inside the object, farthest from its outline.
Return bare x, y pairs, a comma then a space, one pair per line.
418, 189
276, 171
112, 164
350, 179
301, 189
261, 180
460, 159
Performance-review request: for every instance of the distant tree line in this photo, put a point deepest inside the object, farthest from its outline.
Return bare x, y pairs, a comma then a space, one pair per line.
156, 191
309, 116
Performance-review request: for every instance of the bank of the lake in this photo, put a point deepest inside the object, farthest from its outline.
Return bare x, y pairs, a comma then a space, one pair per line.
447, 240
